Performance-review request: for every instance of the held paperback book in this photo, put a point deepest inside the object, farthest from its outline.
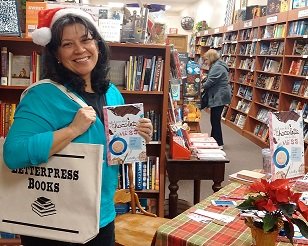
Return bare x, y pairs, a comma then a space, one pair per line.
124, 144
286, 144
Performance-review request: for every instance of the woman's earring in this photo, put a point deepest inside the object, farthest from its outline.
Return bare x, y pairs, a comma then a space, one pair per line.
59, 62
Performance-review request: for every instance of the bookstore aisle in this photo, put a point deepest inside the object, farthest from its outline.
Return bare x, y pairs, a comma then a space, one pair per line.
242, 153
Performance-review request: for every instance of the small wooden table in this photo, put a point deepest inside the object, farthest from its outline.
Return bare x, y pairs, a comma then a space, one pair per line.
193, 169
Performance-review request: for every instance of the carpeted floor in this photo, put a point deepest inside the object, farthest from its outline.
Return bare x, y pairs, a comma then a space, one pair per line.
242, 153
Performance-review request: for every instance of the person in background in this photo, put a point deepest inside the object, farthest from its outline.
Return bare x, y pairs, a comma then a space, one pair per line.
219, 91
46, 120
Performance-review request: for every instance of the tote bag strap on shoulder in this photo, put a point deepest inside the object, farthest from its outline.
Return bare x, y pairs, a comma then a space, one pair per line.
70, 94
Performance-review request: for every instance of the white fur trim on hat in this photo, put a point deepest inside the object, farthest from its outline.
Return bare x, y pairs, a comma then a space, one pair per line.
42, 36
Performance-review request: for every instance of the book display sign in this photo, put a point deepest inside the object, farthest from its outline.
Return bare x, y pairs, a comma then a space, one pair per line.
124, 144
9, 18
286, 144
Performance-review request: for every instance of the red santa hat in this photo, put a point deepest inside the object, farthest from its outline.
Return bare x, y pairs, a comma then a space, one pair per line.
47, 17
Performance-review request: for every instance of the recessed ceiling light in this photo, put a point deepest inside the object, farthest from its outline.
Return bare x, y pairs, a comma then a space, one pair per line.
167, 7
115, 4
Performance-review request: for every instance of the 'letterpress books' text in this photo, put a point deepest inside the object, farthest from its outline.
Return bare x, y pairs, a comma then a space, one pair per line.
124, 144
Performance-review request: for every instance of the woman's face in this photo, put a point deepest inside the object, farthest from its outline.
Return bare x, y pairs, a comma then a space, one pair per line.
78, 52
206, 61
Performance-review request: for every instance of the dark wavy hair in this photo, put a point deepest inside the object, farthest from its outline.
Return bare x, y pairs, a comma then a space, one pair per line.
57, 72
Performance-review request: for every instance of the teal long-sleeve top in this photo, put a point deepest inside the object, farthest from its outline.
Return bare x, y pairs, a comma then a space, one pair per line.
44, 110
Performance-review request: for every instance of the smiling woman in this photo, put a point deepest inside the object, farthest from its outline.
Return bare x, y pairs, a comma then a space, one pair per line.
77, 57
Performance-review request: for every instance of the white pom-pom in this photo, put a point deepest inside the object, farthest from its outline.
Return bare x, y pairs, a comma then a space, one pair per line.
41, 36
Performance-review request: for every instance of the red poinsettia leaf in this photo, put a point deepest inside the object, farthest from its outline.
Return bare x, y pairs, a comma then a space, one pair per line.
295, 197
279, 183
270, 207
282, 194
257, 186
260, 203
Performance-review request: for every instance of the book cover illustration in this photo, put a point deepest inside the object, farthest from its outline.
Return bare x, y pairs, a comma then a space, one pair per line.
286, 144
110, 23
124, 144
9, 18
134, 24
20, 75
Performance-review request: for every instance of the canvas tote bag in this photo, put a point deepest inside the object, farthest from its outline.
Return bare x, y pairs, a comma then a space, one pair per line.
59, 200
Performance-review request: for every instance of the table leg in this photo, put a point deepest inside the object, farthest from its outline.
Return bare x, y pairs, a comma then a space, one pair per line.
217, 185
173, 198
197, 184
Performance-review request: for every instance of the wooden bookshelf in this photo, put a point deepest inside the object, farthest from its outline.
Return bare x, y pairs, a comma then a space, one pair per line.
154, 100
267, 85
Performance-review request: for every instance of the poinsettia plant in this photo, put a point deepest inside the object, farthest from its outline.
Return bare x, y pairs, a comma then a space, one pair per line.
279, 204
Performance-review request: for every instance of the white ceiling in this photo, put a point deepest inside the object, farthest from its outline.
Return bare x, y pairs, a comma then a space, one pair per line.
176, 5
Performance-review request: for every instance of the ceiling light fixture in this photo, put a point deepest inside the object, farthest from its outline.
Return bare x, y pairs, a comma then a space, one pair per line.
115, 4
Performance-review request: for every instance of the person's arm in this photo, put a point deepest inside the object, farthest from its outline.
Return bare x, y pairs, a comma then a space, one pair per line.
213, 77
81, 123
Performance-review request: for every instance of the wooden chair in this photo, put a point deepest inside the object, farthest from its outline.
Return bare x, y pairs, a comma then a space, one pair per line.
135, 229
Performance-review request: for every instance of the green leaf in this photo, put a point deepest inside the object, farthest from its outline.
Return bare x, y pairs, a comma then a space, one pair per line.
287, 209
247, 204
269, 222
302, 227
289, 230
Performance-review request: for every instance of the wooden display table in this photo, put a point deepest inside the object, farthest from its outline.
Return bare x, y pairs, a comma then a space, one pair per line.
193, 169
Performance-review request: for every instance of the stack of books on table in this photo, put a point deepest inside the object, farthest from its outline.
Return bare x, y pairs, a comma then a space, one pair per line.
205, 147
246, 176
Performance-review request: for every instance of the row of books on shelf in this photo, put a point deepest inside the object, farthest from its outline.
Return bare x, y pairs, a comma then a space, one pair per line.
230, 60
300, 47
7, 111
274, 31
228, 49
299, 67
300, 87
262, 115
144, 74
146, 174
270, 99
271, 65
248, 49
212, 41
272, 48
155, 117
243, 106
238, 119
298, 28
268, 82
249, 34
245, 78
261, 131
248, 63
6, 235
245, 92
230, 37
19, 70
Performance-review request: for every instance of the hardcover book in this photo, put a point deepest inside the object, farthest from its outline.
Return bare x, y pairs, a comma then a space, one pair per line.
20, 75
286, 144
9, 18
124, 144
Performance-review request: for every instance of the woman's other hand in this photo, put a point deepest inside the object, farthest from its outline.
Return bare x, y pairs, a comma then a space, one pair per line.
83, 119
145, 129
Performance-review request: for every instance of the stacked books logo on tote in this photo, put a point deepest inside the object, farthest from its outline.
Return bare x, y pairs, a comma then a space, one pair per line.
124, 144
286, 144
